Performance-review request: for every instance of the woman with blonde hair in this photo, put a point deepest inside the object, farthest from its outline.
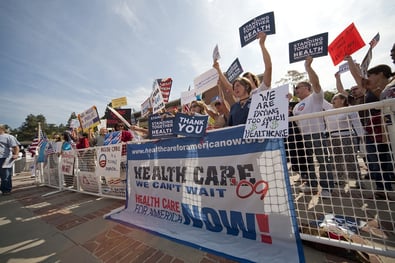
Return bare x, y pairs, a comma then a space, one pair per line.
198, 108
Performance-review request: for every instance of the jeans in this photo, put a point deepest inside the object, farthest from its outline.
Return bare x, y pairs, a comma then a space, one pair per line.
5, 174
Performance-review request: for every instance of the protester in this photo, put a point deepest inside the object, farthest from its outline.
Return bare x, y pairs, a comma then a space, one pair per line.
141, 131
389, 90
239, 111
126, 136
9, 150
198, 108
315, 141
344, 129
67, 144
220, 114
267, 73
379, 157
356, 95
296, 154
83, 141
254, 80
99, 139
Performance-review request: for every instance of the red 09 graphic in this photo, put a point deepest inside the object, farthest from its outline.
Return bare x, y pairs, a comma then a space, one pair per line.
260, 187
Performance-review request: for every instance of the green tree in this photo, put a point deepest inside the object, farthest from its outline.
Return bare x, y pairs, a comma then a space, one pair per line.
72, 117
107, 113
328, 95
292, 78
29, 129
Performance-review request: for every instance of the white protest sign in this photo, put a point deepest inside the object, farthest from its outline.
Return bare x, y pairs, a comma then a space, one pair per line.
109, 160
74, 123
206, 81
188, 97
157, 101
344, 67
145, 107
89, 118
216, 54
268, 114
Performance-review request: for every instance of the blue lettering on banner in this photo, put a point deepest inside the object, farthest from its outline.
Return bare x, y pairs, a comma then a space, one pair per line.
167, 186
232, 221
204, 191
158, 213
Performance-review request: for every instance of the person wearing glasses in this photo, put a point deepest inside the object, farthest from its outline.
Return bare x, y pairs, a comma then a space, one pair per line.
198, 108
313, 132
220, 112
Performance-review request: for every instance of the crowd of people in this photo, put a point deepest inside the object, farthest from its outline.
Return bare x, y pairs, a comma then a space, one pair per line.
334, 140
330, 141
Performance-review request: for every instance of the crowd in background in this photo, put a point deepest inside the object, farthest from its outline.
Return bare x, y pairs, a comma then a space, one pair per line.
329, 140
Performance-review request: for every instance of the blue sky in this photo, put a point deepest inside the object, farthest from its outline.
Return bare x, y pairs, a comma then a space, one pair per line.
64, 56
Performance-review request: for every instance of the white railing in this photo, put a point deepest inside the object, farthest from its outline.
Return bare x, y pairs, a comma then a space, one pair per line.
356, 215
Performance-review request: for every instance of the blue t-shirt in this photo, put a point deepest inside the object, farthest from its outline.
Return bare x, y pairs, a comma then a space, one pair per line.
66, 146
238, 114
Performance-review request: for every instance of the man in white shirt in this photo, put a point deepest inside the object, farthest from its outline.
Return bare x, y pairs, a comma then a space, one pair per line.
9, 150
313, 131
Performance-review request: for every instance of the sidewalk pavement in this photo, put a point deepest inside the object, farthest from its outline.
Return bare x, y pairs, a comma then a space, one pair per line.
69, 227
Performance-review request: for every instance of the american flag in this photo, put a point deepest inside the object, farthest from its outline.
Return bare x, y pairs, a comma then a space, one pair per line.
165, 88
33, 147
42, 138
50, 149
112, 138
37, 142
375, 40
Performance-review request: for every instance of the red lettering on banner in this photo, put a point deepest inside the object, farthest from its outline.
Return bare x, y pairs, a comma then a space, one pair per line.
171, 205
148, 200
263, 224
261, 187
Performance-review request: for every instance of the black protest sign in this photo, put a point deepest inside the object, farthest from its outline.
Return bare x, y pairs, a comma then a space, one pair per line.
249, 31
315, 46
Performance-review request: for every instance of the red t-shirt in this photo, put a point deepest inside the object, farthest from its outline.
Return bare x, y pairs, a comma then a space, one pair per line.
83, 143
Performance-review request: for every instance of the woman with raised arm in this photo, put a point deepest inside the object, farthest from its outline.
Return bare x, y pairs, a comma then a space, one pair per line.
379, 156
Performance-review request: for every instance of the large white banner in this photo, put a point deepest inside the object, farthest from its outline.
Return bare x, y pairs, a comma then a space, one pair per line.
220, 193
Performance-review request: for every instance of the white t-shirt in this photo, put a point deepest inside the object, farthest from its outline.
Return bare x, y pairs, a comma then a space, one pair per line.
344, 123
310, 104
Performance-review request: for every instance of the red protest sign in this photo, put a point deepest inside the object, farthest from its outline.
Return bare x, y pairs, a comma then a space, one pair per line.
345, 44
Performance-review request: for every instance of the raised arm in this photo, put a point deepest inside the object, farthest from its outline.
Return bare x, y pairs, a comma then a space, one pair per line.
339, 85
355, 71
313, 77
267, 74
224, 81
